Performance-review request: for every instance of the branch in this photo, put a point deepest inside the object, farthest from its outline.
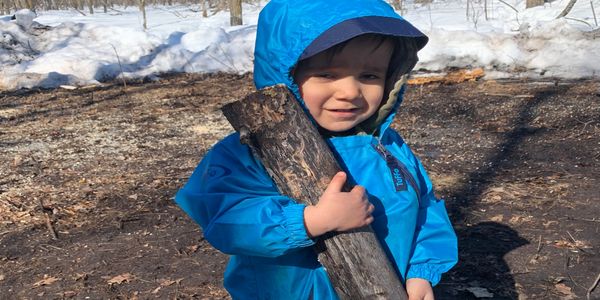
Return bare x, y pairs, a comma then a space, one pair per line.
567, 9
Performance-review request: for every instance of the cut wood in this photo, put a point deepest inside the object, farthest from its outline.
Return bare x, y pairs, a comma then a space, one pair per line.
276, 128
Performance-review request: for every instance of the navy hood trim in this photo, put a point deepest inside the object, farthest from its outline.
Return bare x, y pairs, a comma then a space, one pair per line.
351, 28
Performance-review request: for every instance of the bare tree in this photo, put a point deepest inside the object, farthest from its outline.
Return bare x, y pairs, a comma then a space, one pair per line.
204, 9
143, 10
235, 11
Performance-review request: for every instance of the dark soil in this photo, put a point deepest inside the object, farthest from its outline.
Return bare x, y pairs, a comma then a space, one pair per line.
516, 161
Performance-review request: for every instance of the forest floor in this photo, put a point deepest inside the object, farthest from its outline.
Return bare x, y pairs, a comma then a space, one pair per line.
517, 162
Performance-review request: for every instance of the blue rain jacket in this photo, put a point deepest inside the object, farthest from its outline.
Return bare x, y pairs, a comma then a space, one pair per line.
242, 214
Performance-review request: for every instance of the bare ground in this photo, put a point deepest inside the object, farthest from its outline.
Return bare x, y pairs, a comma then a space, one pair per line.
516, 161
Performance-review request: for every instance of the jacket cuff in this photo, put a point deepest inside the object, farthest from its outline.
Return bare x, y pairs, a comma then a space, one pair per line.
432, 273
294, 224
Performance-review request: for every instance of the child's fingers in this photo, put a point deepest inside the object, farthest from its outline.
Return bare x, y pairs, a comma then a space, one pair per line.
359, 190
371, 208
336, 183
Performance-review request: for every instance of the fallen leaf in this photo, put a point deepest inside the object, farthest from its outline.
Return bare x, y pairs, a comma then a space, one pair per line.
48, 280
192, 248
167, 282
497, 218
156, 290
2, 277
565, 290
572, 245
81, 276
126, 277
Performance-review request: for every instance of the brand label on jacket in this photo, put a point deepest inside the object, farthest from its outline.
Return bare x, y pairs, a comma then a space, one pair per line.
397, 176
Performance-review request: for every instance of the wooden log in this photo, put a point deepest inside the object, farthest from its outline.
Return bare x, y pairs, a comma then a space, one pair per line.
301, 164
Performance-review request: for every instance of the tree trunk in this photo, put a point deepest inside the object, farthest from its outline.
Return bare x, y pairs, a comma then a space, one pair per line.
143, 9
4, 9
533, 3
301, 164
235, 11
204, 9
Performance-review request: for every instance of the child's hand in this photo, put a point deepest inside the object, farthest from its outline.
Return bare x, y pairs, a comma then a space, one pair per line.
419, 289
337, 210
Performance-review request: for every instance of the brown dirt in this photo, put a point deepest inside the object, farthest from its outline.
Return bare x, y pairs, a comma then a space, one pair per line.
517, 162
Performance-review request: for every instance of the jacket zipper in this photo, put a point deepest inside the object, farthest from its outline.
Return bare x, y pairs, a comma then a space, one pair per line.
400, 174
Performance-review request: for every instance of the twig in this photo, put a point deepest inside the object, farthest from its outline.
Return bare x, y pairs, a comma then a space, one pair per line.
575, 282
593, 287
578, 20
575, 242
57, 248
588, 220
120, 66
594, 12
48, 221
517, 11
120, 12
585, 124
79, 11
539, 247
572, 238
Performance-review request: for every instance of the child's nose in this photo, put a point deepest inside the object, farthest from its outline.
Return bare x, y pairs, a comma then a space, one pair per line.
347, 88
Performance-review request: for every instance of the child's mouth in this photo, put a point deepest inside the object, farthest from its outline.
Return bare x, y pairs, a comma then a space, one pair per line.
348, 113
349, 110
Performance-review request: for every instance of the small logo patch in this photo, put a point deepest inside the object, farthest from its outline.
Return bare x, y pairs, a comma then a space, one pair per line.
398, 177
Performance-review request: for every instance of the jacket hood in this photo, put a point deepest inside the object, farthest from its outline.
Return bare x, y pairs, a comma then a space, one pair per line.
292, 30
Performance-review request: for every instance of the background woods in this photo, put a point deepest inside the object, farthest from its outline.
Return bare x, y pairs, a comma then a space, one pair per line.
475, 9
205, 7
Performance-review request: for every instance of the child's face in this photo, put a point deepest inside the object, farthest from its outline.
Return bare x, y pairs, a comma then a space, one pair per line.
343, 91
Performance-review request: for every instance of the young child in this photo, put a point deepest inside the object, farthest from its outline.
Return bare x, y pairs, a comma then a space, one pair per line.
347, 62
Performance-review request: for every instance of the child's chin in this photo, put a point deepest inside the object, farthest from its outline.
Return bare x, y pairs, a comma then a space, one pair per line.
339, 128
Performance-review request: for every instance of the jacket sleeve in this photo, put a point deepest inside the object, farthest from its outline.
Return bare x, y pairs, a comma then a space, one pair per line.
238, 206
435, 249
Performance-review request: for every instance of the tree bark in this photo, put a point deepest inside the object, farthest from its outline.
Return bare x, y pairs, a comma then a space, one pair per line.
533, 3
301, 164
235, 11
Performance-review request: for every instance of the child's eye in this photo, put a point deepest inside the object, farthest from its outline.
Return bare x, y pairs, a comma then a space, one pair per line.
324, 75
370, 76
